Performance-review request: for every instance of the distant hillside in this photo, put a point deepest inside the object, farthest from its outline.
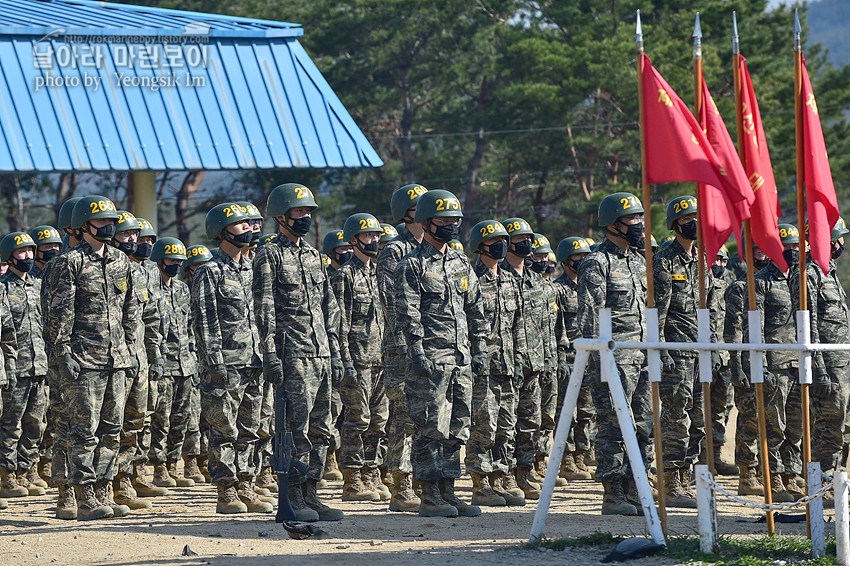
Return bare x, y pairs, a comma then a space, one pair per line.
830, 23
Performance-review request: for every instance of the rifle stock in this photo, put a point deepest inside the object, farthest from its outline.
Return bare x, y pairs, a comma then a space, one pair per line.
283, 461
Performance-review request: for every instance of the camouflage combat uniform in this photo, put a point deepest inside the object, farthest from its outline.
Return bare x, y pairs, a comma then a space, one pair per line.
440, 315
555, 334
721, 385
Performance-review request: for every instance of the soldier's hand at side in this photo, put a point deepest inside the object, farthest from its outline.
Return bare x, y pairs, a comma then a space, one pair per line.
479, 363
218, 374
133, 370
821, 384
154, 370
421, 366
273, 369
667, 363
349, 374
716, 364
11, 381
69, 369
337, 368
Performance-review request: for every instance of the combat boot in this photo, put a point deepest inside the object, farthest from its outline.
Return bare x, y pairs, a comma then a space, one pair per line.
749, 482
311, 498
24, 482
202, 464
331, 472
505, 485
9, 485
570, 470
246, 493
688, 481
796, 485
372, 480
403, 498
191, 471
66, 504
143, 487
433, 504
447, 490
124, 494
45, 471
777, 490
676, 495
228, 502
103, 492
180, 480
35, 479
267, 479
722, 468
534, 476
529, 489
386, 477
302, 511
614, 501
582, 458
88, 506
540, 467
353, 488
161, 477
483, 494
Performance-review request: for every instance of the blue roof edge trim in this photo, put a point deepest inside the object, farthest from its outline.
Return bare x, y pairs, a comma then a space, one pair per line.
153, 32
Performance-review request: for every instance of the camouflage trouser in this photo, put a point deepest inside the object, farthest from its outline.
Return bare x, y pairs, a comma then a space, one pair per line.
612, 463
95, 413
22, 423
192, 444
399, 425
232, 410
746, 427
642, 415
480, 455
265, 446
337, 409
721, 404
682, 421
136, 391
792, 446
548, 409
58, 414
829, 412
45, 451
440, 408
364, 439
170, 419
775, 400
307, 387
528, 418
583, 429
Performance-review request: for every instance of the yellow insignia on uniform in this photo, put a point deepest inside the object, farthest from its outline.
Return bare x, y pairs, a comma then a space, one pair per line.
463, 285
555, 305
122, 285
144, 294
680, 277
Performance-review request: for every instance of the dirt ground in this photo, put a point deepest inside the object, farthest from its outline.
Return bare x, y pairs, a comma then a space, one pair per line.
369, 534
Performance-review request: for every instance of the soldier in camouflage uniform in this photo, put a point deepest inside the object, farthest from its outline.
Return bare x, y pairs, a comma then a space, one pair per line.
440, 319
827, 306
298, 320
228, 341
570, 253
400, 427
337, 249
614, 276
490, 450
364, 441
6, 383
388, 234
25, 400
93, 318
531, 350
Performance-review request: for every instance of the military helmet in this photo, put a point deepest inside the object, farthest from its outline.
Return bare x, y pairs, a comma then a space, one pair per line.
653, 243
666, 243
93, 207
14, 241
126, 221
168, 248
223, 215
517, 227
571, 246
667, 238
456, 244
400, 227
485, 230
541, 244
617, 205
360, 223
197, 254
388, 233
266, 238
45, 234
284, 198
789, 234
147, 229
437, 204
551, 257
65, 213
723, 252
679, 207
839, 230
404, 198
333, 240
251, 210
595, 246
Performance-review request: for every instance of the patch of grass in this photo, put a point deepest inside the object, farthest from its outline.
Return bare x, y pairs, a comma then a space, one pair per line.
559, 544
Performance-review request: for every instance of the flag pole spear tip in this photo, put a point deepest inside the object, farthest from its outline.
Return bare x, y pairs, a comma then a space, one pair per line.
797, 31
736, 48
639, 34
697, 28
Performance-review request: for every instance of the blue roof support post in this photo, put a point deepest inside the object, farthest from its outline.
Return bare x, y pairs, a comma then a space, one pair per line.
144, 196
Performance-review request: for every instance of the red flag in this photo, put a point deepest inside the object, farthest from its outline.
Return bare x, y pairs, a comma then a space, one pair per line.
765, 210
722, 211
821, 201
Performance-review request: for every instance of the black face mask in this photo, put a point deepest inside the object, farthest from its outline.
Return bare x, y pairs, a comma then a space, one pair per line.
539, 266
48, 255
300, 226
550, 269
23, 265
343, 257
497, 250
837, 251
574, 264
761, 263
633, 235
522, 248
104, 233
688, 230
238, 240
792, 257
171, 270
446, 233
370, 250
143, 251
255, 236
717, 271
128, 248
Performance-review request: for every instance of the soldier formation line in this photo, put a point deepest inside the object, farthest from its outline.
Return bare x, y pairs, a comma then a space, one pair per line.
122, 351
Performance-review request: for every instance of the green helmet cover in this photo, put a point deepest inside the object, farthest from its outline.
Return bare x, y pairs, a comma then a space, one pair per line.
788, 234
571, 246
168, 248
517, 227
333, 240
360, 223
485, 230
679, 207
284, 198
221, 216
388, 233
404, 198
14, 241
617, 205
126, 221
45, 234
541, 244
93, 207
65, 213
437, 204
197, 254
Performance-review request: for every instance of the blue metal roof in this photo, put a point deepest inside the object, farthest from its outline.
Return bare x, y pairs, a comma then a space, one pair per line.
125, 88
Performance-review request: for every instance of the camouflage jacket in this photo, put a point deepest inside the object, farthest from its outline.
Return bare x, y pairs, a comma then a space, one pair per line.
532, 344
733, 319
8, 341
568, 309
778, 318
148, 332
827, 311
361, 325
224, 328
501, 309
614, 278
388, 260
46, 287
36, 271
296, 309
93, 314
25, 306
717, 308
178, 337
438, 306
557, 334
